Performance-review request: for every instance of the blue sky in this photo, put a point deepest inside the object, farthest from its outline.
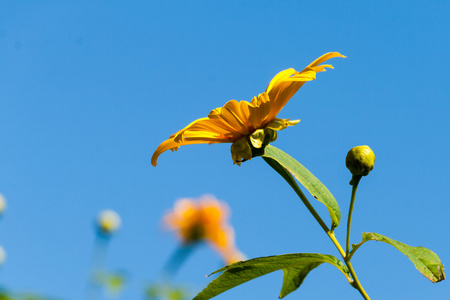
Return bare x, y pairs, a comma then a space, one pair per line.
89, 89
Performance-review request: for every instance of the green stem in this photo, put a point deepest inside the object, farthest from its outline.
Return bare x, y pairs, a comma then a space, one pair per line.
175, 261
355, 181
337, 244
354, 281
320, 221
101, 242
356, 284
291, 181
354, 248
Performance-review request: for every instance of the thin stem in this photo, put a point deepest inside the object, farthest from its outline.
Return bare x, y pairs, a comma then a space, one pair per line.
291, 181
311, 209
175, 261
355, 181
337, 244
321, 222
356, 284
161, 287
354, 248
354, 281
97, 264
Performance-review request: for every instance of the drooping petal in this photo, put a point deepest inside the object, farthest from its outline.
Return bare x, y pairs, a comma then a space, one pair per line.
171, 144
224, 124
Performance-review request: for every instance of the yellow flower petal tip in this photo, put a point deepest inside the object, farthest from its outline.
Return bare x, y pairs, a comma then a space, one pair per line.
204, 219
238, 119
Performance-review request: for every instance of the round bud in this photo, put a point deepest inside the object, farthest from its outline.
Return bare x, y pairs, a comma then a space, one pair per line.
360, 160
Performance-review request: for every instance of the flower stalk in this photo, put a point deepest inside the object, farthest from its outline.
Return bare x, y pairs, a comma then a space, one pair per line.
354, 281
355, 181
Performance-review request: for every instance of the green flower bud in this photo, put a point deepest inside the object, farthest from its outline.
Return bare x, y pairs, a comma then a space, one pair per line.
270, 135
241, 151
257, 138
360, 160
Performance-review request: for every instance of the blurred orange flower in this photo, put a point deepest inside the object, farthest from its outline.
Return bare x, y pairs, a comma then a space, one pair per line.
204, 220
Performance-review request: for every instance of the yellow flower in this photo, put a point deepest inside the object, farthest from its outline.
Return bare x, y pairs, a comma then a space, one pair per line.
237, 122
204, 219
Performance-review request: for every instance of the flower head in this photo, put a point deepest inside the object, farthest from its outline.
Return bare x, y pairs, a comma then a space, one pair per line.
238, 121
108, 222
204, 220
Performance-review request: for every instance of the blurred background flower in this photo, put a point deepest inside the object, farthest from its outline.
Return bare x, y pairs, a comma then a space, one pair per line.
2, 255
2, 204
101, 279
108, 222
204, 219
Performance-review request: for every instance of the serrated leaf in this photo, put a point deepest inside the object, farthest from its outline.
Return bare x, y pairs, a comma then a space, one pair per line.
426, 261
295, 266
286, 165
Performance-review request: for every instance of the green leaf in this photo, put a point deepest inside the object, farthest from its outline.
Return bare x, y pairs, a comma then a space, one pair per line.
426, 261
295, 267
283, 163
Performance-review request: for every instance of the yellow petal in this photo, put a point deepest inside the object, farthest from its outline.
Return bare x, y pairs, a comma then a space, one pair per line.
231, 114
239, 119
172, 145
259, 111
324, 58
286, 83
280, 124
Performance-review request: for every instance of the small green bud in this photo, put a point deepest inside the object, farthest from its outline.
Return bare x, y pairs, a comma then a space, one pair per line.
241, 151
360, 160
257, 138
270, 135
